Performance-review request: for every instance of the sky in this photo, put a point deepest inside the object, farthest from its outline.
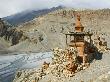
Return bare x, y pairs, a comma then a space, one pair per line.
9, 7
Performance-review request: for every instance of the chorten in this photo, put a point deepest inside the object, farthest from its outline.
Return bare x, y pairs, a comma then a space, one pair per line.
78, 42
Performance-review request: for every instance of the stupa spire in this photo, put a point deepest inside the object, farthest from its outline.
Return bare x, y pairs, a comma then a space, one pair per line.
78, 27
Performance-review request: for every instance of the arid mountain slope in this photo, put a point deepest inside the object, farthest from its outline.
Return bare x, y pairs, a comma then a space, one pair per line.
48, 31
28, 15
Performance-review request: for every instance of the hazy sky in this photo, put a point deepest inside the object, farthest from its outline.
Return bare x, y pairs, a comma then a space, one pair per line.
8, 7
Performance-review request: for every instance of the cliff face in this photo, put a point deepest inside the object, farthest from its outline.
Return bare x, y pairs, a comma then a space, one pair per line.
9, 33
3, 43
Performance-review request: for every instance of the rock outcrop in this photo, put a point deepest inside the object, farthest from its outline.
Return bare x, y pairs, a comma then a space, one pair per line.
9, 33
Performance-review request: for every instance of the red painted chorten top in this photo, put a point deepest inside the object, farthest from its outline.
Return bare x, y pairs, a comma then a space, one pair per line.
79, 27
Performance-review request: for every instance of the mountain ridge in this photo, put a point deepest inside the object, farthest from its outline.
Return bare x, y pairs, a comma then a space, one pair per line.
26, 16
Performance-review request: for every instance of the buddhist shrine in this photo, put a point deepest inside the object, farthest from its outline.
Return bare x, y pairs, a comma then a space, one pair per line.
77, 40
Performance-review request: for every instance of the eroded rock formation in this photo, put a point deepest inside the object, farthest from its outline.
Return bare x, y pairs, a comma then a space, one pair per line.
9, 33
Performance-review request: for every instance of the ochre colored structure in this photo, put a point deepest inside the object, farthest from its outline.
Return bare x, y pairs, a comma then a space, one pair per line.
78, 40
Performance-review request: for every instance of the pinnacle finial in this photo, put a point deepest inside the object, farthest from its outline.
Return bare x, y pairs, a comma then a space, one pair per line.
78, 17
79, 27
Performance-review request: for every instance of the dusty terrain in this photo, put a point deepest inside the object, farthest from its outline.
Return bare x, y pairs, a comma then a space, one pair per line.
95, 21
47, 32
98, 71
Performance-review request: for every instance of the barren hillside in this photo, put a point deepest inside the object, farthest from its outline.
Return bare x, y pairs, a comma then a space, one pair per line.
47, 32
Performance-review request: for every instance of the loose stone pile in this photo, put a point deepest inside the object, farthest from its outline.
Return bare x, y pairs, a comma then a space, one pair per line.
101, 44
64, 65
